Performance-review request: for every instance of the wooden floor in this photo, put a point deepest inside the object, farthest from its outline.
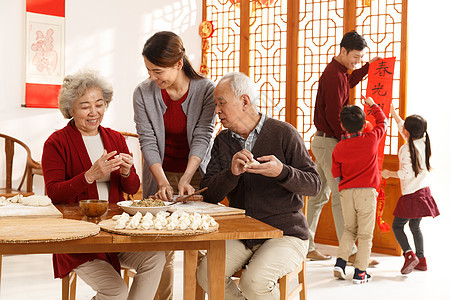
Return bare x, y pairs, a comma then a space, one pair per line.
26, 277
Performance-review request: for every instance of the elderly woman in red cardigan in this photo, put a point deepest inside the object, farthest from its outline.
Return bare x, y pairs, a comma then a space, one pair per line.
87, 161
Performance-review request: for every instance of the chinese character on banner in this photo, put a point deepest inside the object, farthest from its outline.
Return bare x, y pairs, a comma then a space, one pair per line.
379, 87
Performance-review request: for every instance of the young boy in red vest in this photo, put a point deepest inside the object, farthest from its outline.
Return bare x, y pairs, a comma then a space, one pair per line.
355, 168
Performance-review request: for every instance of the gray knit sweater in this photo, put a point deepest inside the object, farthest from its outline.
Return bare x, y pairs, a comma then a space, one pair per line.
275, 201
149, 108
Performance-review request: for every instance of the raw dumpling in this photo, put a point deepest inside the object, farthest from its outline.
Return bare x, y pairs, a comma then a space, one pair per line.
146, 224
121, 224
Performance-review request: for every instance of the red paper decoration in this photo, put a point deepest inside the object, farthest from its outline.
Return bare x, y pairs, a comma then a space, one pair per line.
379, 87
205, 30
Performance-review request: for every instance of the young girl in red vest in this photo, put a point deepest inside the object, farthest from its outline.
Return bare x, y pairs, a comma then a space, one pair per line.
416, 201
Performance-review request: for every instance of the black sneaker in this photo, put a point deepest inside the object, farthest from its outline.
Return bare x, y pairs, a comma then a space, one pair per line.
360, 276
339, 268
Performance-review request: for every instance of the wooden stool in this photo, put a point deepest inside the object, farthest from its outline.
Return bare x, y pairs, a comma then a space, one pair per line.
69, 283
300, 287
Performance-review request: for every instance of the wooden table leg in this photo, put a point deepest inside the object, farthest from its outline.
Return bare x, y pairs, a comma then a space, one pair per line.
216, 270
0, 271
190, 273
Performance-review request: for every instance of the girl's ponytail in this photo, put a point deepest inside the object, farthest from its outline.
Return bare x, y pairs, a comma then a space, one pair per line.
427, 151
417, 128
414, 160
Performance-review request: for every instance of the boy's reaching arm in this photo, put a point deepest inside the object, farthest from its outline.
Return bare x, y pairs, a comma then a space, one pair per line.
380, 118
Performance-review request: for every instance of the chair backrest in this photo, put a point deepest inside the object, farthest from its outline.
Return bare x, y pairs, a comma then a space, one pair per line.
31, 166
132, 140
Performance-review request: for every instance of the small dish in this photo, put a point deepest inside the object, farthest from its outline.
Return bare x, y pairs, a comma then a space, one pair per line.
93, 208
132, 210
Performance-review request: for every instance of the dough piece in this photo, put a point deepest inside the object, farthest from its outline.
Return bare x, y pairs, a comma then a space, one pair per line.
3, 201
36, 200
16, 198
251, 162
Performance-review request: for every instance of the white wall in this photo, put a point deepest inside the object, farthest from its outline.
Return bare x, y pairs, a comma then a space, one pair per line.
428, 79
109, 34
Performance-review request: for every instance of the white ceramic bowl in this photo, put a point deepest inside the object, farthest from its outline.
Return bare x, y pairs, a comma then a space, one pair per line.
126, 206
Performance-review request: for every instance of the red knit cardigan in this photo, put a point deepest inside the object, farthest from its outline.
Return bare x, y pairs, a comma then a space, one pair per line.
64, 162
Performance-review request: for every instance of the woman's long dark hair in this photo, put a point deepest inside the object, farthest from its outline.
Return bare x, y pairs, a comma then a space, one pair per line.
165, 49
417, 127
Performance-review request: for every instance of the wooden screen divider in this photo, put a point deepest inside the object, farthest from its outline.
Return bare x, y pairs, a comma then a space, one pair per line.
307, 35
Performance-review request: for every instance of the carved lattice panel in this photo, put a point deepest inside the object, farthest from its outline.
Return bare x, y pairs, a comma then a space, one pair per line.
320, 32
321, 27
223, 54
267, 57
286, 63
381, 25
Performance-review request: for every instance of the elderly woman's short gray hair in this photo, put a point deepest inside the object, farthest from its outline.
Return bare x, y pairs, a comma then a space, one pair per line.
241, 84
75, 86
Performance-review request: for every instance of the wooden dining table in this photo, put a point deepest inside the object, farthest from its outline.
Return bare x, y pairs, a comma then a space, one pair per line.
231, 227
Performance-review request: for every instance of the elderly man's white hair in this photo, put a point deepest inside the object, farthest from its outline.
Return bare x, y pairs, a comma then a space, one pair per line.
241, 84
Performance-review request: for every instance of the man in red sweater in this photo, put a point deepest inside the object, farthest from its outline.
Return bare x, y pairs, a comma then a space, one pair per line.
355, 168
332, 95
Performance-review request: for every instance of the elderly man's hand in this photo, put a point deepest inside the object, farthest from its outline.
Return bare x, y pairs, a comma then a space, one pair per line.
239, 160
270, 166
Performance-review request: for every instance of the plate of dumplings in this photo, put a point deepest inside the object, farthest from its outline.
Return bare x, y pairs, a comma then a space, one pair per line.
162, 223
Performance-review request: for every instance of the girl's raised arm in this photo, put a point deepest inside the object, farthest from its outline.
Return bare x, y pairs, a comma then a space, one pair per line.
395, 115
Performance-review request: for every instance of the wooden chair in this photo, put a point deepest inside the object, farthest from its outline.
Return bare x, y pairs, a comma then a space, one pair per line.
32, 168
286, 291
300, 286
128, 137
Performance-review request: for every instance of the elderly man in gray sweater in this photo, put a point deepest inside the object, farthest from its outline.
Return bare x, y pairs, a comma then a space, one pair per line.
261, 165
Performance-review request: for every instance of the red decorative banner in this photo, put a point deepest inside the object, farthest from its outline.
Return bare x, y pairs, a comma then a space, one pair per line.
379, 87
44, 52
205, 30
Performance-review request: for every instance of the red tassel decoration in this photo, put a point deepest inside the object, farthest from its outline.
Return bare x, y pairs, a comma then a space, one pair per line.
384, 227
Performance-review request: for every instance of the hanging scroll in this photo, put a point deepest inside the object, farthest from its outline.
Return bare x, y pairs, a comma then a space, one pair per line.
44, 52
379, 87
